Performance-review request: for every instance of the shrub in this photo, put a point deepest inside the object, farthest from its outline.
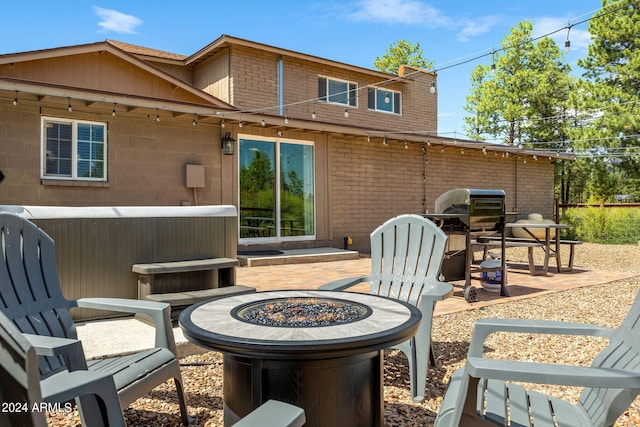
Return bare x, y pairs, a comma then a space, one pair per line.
604, 225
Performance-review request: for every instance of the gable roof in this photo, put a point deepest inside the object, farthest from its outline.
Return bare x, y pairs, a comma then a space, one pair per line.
225, 40
118, 50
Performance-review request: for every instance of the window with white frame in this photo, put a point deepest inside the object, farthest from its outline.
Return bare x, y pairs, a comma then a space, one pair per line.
386, 100
337, 91
74, 149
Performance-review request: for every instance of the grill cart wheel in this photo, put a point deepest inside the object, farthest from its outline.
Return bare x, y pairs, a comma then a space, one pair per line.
470, 294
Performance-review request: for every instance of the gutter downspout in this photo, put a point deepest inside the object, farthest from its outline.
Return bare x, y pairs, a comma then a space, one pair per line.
280, 86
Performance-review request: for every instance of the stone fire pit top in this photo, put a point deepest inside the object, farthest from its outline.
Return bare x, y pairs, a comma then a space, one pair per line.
211, 324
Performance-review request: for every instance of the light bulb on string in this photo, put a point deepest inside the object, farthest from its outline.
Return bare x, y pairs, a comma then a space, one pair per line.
387, 98
346, 113
15, 100
69, 107
314, 115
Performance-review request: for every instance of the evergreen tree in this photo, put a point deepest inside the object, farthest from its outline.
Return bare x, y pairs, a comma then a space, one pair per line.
518, 97
608, 100
400, 53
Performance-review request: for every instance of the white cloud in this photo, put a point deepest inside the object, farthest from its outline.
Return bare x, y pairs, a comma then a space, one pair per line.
477, 27
416, 12
398, 12
118, 22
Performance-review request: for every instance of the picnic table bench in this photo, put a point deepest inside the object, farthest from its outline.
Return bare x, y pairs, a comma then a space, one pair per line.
514, 242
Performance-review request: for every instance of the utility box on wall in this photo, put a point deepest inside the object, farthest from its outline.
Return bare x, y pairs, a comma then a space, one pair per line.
194, 176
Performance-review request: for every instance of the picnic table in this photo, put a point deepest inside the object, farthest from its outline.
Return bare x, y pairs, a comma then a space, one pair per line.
551, 247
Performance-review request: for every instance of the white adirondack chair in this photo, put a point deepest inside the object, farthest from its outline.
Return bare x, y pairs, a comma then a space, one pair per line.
406, 255
31, 296
482, 393
23, 393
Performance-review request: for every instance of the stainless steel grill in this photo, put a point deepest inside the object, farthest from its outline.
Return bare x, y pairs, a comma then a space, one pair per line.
469, 213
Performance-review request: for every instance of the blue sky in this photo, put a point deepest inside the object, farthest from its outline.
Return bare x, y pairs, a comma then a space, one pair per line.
351, 31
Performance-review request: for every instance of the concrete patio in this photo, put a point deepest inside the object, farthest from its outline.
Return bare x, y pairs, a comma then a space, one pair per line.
135, 335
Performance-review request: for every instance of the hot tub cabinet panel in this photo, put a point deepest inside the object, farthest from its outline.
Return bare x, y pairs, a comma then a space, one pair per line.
97, 246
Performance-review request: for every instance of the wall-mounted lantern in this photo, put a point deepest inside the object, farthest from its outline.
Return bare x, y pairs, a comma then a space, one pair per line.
228, 144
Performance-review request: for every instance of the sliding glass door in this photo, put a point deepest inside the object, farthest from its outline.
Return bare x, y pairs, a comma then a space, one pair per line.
277, 198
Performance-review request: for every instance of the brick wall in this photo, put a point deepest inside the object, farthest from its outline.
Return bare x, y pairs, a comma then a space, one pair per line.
146, 161
371, 183
254, 86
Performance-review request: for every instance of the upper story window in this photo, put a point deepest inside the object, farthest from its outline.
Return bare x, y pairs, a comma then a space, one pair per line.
338, 91
384, 100
74, 149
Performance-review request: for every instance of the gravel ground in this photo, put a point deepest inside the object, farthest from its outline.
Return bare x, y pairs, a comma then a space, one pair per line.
603, 304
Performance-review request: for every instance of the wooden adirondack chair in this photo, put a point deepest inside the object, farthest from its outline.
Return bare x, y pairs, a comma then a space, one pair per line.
23, 393
31, 297
406, 254
481, 392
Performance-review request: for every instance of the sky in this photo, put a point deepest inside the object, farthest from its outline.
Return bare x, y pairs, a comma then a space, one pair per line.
451, 33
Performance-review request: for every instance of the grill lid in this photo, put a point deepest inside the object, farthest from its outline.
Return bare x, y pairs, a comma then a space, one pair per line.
459, 199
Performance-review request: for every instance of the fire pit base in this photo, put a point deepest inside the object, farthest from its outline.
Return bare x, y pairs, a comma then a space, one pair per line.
345, 391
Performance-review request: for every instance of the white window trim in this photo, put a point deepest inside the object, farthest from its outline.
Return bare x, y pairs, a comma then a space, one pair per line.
348, 82
375, 103
277, 239
74, 155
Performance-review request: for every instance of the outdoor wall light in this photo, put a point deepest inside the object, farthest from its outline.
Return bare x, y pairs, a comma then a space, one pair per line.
228, 144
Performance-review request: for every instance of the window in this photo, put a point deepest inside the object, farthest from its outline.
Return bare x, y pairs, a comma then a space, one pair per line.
338, 91
73, 149
277, 197
384, 100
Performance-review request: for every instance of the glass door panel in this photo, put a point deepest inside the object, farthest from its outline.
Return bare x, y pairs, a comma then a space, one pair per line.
296, 190
257, 189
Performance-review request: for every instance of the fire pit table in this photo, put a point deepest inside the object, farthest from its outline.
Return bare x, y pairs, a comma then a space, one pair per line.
320, 350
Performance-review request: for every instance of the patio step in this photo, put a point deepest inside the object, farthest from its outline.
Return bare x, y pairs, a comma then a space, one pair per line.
260, 258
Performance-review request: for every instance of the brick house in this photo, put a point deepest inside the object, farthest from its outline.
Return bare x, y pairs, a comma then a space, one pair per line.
323, 149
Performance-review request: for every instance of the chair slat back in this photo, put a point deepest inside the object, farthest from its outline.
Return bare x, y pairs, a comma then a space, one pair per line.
20, 385
406, 254
30, 292
605, 405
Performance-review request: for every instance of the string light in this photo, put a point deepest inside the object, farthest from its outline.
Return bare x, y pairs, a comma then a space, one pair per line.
314, 115
263, 123
387, 99
406, 146
15, 100
432, 89
69, 107
223, 124
113, 112
346, 113
195, 120
567, 43
157, 115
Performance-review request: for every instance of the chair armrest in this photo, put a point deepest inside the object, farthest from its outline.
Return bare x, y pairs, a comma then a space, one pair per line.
159, 312
437, 291
543, 373
274, 413
485, 327
70, 349
342, 284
